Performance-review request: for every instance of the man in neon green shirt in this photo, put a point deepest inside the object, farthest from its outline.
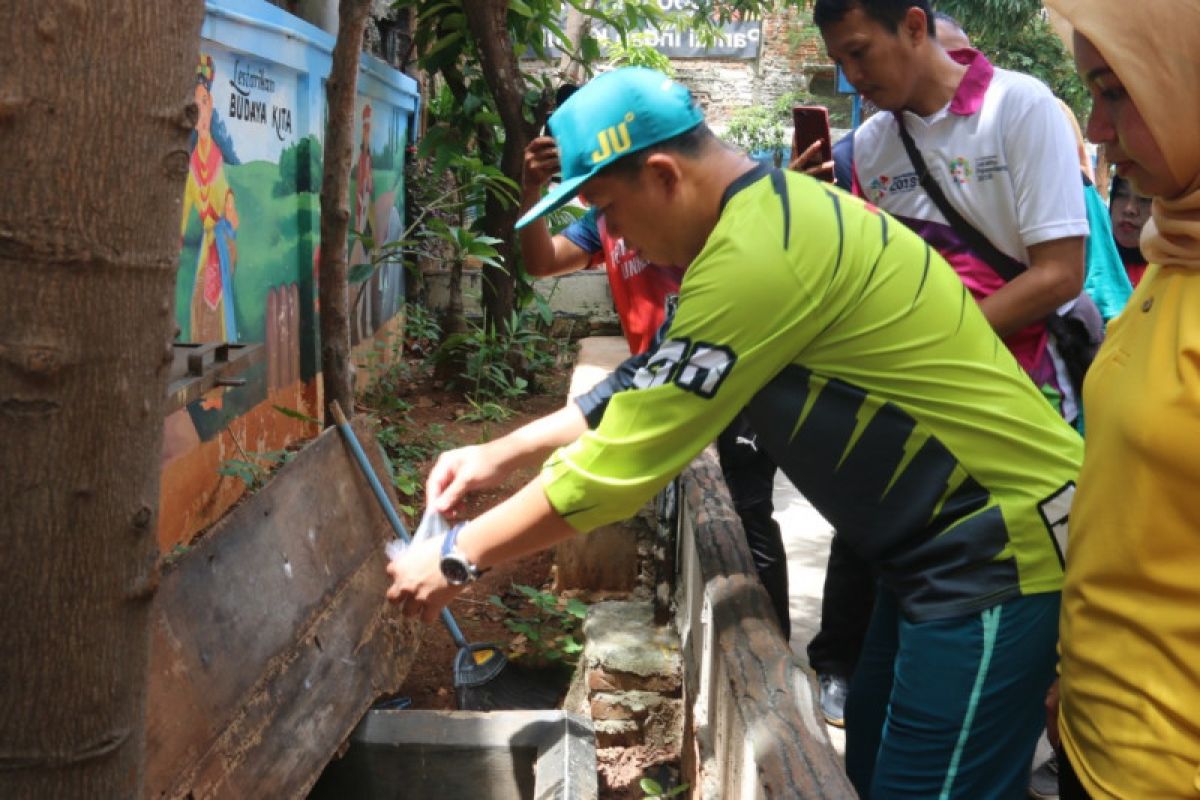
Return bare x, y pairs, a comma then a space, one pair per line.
874, 382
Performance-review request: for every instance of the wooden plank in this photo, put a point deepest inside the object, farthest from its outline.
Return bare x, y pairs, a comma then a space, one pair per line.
271, 637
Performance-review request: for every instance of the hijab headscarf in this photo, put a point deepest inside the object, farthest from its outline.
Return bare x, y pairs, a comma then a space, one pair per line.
1152, 47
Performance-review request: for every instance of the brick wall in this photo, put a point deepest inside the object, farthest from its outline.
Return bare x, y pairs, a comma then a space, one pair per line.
791, 52
790, 48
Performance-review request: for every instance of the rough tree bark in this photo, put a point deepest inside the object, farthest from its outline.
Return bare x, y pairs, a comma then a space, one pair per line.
487, 23
96, 105
454, 318
337, 371
578, 25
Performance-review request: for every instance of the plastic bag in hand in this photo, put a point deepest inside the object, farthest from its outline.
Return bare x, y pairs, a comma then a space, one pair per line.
433, 526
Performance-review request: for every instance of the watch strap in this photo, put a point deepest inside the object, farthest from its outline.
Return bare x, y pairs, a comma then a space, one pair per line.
451, 539
451, 552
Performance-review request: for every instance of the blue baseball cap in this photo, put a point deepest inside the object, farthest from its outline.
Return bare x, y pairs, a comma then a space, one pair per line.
611, 116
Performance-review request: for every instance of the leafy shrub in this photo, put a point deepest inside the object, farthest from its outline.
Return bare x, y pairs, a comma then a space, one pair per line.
545, 625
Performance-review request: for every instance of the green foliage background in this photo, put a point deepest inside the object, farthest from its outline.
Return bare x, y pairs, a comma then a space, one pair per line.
1016, 35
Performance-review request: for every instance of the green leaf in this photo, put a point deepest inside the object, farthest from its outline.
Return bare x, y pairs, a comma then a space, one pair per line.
294, 414
519, 7
650, 786
491, 262
516, 626
434, 9
443, 43
359, 273
454, 22
590, 47
557, 31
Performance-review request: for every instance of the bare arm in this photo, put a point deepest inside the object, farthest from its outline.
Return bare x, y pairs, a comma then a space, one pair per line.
523, 524
544, 255
458, 472
1055, 275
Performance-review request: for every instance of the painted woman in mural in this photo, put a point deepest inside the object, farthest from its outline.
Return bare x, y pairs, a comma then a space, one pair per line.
364, 183
213, 318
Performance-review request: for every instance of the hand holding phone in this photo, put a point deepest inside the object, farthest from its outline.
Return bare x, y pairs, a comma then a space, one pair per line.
812, 143
541, 163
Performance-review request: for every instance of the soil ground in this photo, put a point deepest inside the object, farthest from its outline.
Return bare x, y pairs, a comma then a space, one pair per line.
430, 682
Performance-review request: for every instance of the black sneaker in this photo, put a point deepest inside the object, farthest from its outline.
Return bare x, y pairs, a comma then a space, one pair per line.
1043, 782
834, 689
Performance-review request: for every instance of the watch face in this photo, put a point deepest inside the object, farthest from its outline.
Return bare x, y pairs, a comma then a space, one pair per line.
455, 571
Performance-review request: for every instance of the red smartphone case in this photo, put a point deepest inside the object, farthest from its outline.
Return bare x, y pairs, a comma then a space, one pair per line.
811, 123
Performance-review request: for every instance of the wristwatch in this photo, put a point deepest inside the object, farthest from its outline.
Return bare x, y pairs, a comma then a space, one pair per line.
457, 569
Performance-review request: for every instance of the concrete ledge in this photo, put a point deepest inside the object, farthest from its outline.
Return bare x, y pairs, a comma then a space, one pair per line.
753, 727
583, 296
607, 558
563, 768
598, 356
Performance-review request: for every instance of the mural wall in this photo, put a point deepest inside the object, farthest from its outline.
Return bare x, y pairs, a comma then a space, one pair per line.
376, 216
249, 231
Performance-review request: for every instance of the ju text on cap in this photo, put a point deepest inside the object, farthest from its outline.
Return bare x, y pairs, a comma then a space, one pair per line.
613, 115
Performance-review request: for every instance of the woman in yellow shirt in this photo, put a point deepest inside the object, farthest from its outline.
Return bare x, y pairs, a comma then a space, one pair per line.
1129, 715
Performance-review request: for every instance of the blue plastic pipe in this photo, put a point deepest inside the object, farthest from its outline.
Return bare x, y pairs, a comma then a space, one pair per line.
386, 504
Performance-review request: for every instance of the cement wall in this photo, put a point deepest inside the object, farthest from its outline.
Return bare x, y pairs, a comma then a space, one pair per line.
753, 729
581, 301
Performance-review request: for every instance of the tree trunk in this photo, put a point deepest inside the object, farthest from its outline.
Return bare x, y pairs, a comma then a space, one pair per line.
337, 371
454, 319
96, 106
487, 23
578, 25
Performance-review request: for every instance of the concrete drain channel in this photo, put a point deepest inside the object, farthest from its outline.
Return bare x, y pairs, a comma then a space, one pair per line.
494, 755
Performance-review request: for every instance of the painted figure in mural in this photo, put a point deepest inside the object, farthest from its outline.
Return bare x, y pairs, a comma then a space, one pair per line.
364, 182
209, 195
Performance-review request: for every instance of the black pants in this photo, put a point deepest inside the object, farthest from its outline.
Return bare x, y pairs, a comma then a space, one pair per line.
1069, 787
750, 475
845, 612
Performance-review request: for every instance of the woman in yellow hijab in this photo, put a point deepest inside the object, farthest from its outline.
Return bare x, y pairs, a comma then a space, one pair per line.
1129, 715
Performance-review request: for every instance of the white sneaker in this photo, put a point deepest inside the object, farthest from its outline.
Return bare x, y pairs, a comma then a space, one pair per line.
1043, 781
834, 689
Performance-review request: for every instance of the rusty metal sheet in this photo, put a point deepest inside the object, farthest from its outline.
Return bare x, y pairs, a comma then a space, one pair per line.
271, 636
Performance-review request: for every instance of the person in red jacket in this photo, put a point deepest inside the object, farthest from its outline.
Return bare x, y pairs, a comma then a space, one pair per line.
639, 288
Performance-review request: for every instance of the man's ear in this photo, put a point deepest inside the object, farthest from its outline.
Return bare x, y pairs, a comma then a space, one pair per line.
665, 172
916, 25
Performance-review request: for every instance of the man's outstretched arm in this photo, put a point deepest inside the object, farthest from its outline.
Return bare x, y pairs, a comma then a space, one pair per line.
524, 523
467, 469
